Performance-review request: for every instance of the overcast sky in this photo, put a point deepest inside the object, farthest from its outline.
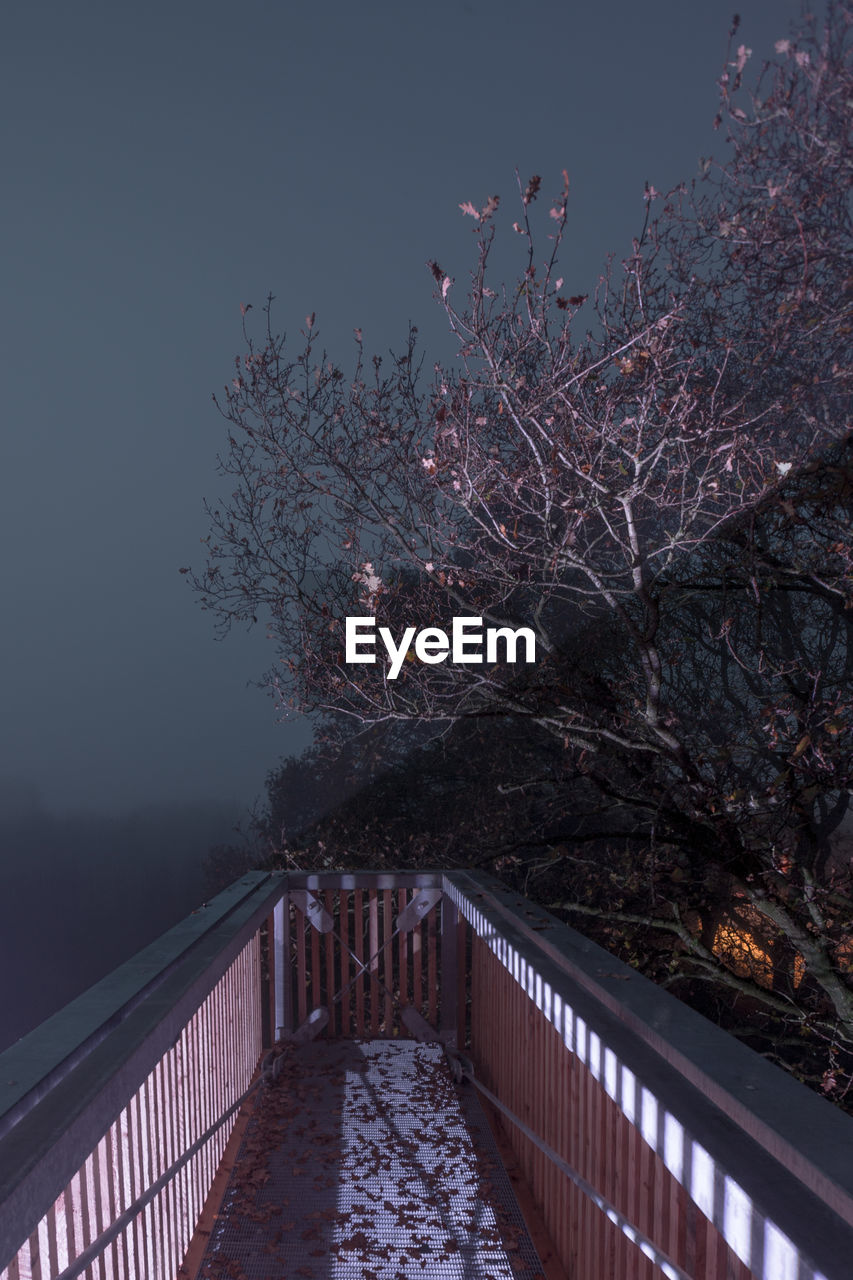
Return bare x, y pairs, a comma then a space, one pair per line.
163, 164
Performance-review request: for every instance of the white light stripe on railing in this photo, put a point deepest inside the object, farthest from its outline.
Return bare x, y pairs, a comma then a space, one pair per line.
137, 1210
780, 1257
670, 1268
141, 1221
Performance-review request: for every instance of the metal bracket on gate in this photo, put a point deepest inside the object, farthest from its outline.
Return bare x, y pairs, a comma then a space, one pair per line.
421, 1030
311, 1027
421, 905
313, 910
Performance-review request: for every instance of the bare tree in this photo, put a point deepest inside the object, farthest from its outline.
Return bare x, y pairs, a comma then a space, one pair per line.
605, 488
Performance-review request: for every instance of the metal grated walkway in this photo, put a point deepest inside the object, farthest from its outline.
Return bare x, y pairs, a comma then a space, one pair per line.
365, 1161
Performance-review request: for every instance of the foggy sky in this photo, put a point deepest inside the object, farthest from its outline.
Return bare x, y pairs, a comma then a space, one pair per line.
163, 164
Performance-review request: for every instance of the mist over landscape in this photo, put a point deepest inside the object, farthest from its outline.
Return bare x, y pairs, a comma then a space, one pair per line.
84, 892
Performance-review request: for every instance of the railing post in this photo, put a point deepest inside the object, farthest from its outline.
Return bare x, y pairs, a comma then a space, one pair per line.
283, 977
449, 972
268, 983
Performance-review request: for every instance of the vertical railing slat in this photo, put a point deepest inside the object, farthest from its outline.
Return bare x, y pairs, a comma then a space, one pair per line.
345, 898
37, 1241
316, 990
358, 939
431, 922
387, 960
158, 1167
417, 967
271, 992
372, 951
331, 985
301, 967
137, 1185
168, 1129
403, 952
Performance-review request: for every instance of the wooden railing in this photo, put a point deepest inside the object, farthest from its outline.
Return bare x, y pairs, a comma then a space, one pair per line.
653, 1143
104, 1097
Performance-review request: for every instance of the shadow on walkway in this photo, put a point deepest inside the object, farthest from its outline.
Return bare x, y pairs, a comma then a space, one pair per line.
361, 1162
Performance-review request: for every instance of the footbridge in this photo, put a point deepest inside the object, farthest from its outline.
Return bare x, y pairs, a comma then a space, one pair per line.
409, 1074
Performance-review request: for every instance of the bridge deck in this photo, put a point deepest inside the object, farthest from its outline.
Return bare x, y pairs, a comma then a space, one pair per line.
365, 1160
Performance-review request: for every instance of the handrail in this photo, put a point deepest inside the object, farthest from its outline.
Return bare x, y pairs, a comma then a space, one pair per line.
782, 1168
48, 1144
31, 1067
809, 1135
